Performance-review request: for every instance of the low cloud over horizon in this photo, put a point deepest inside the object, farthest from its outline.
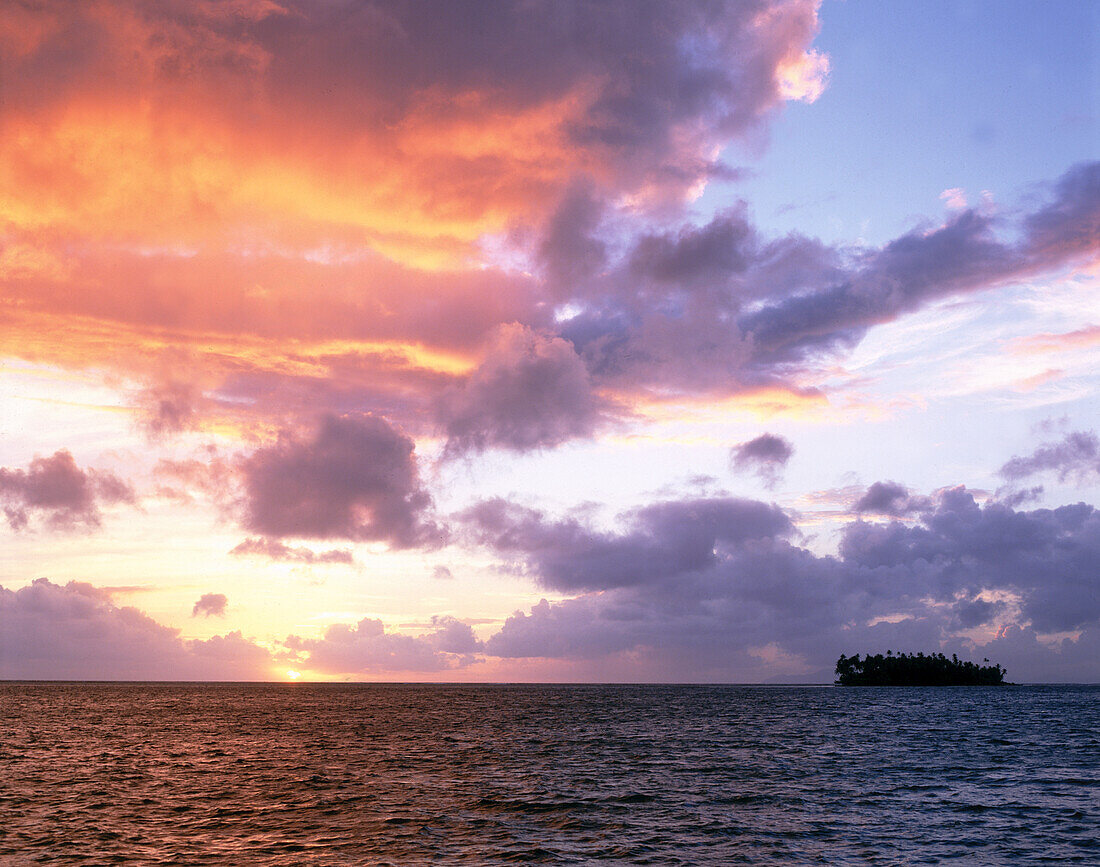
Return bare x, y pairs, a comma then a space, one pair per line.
711, 589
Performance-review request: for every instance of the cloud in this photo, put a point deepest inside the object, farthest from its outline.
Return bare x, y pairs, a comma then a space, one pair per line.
233, 159
367, 647
76, 632
57, 490
1075, 456
954, 198
692, 597
1069, 224
530, 164
891, 499
767, 456
693, 254
568, 249
962, 255
470, 116
1029, 660
356, 478
168, 409
1082, 338
531, 391
210, 605
276, 550
210, 474
718, 308
663, 540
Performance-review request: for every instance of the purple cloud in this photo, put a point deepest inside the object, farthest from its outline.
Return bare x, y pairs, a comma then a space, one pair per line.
76, 632
531, 391
891, 499
1070, 223
686, 591
767, 456
276, 550
355, 478
664, 540
696, 255
210, 605
366, 646
1076, 456
719, 308
56, 489
569, 250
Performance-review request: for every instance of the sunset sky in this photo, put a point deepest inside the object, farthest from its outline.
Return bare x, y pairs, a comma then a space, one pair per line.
456, 341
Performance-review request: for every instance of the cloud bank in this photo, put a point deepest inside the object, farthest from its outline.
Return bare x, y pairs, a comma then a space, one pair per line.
77, 632
710, 594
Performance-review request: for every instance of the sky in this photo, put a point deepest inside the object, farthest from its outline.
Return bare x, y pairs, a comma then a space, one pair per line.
614, 341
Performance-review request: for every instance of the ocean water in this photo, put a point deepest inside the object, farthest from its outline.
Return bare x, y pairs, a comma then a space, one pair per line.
355, 774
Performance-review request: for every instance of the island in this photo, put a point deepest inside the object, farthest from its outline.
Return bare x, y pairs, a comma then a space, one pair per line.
904, 669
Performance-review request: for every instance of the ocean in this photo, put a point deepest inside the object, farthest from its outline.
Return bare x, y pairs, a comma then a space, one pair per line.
304, 774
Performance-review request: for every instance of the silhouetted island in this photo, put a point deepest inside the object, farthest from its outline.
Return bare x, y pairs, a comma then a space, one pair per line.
904, 669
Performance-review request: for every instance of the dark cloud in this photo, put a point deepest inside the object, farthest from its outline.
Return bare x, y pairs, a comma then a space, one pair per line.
963, 255
711, 253
977, 612
718, 308
531, 391
1029, 660
76, 632
569, 250
366, 646
210, 605
909, 271
1076, 456
355, 478
686, 600
664, 540
767, 456
276, 550
892, 499
1070, 223
1016, 498
58, 491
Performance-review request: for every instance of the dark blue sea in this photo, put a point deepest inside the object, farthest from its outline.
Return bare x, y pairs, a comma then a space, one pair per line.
364, 774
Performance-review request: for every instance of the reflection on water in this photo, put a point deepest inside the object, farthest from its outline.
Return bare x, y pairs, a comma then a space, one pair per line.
343, 774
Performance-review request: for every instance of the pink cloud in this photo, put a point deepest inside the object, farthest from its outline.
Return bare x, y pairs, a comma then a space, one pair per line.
60, 492
77, 632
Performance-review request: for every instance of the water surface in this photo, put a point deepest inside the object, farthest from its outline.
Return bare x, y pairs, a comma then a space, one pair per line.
354, 774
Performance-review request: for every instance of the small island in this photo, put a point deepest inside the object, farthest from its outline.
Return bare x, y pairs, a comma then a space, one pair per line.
904, 669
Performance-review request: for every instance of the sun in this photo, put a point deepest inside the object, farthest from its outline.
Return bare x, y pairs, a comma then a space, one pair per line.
292, 674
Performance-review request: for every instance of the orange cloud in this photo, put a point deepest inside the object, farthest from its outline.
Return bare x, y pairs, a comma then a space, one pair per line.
213, 124
760, 402
254, 206
1040, 344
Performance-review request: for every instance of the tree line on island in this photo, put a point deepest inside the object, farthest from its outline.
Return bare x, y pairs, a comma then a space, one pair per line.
905, 669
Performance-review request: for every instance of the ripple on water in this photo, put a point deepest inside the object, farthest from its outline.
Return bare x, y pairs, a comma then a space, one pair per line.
338, 774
